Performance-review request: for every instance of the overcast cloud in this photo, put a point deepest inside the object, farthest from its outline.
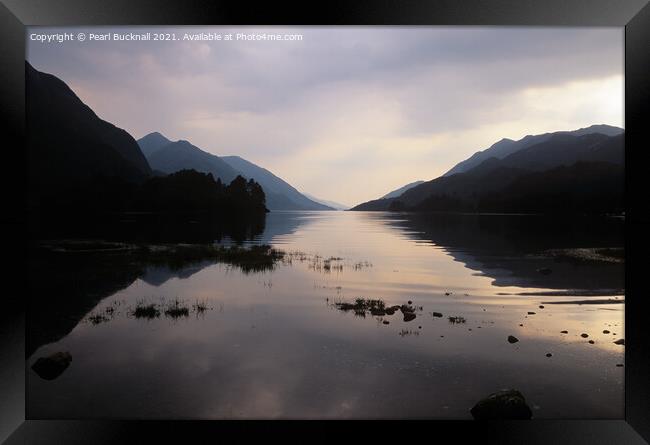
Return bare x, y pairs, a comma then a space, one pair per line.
348, 114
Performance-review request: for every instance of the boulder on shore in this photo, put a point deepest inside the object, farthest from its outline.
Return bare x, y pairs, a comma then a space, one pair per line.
507, 404
52, 366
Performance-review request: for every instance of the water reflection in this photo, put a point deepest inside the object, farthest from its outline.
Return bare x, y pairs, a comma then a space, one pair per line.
277, 343
517, 250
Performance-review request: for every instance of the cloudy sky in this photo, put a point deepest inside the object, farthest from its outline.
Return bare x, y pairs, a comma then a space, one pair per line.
347, 114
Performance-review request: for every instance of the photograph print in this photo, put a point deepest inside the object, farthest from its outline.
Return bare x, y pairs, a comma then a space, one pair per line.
328, 222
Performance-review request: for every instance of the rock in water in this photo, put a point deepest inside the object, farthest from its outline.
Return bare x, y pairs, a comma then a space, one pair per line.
408, 316
508, 404
51, 367
620, 341
512, 339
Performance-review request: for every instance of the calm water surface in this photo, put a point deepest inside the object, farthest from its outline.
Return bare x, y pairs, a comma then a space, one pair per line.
275, 345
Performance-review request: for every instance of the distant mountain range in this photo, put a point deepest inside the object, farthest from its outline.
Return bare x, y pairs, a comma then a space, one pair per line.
280, 195
506, 146
399, 191
81, 165
79, 161
169, 157
581, 171
335, 205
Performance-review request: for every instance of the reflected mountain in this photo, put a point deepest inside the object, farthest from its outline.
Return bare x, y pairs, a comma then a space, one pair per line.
526, 251
157, 275
71, 284
280, 224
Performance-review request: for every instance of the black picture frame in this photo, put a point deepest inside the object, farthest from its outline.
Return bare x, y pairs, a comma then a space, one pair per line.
634, 15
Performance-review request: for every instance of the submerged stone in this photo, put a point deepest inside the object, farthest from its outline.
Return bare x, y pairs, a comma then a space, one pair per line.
408, 316
51, 367
437, 314
507, 404
512, 339
620, 341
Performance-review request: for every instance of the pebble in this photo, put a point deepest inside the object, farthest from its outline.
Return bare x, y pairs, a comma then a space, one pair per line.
564, 332
584, 335
605, 331
512, 339
591, 342
549, 355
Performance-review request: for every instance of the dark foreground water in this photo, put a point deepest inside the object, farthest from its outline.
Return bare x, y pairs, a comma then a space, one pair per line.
274, 344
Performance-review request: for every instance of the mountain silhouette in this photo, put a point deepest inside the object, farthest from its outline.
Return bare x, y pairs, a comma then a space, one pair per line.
168, 157
333, 204
564, 172
280, 195
84, 169
399, 191
506, 146
68, 144
152, 143
182, 155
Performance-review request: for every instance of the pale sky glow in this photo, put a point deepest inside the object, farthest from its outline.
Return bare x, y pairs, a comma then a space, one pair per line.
348, 114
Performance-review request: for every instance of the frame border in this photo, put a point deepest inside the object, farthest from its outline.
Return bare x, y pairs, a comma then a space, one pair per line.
634, 15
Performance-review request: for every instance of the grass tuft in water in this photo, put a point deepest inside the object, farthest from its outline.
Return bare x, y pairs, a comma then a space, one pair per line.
147, 311
177, 309
456, 319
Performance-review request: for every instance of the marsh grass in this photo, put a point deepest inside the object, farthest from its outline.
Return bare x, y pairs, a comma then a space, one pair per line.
176, 256
405, 332
147, 311
200, 307
320, 264
362, 305
96, 319
177, 309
